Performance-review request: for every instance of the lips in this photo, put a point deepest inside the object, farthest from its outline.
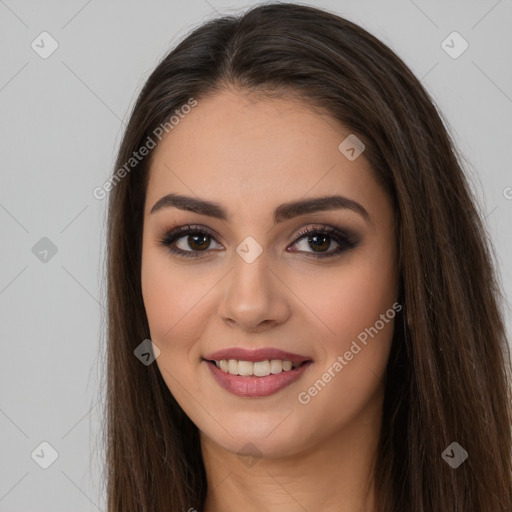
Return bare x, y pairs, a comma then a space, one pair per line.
260, 354
253, 386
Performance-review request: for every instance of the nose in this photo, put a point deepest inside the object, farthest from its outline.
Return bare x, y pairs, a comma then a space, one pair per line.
254, 298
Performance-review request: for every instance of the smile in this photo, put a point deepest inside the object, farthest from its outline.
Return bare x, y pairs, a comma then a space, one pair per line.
256, 368
251, 385
255, 372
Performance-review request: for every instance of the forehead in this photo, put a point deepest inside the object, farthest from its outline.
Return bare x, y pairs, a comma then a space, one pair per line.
243, 150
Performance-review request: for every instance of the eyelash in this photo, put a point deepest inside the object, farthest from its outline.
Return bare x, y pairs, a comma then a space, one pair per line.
344, 240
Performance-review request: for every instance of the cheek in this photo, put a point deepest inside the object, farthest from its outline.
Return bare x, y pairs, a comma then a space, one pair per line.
351, 297
176, 304
173, 309
360, 309
361, 299
167, 295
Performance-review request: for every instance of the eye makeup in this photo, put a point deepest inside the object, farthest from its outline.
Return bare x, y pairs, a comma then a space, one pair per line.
319, 235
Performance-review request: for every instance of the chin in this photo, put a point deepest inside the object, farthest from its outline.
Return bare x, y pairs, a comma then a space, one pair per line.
261, 438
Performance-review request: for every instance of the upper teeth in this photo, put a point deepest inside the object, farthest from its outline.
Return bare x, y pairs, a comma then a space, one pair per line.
258, 368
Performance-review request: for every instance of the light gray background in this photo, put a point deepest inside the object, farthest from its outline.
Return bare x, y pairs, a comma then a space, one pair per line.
61, 122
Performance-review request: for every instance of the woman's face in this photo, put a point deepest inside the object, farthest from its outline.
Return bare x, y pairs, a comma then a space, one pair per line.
248, 279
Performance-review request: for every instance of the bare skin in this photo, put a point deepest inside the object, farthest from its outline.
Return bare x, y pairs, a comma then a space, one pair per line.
310, 450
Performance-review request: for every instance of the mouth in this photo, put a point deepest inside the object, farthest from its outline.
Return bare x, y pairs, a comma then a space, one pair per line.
255, 373
256, 368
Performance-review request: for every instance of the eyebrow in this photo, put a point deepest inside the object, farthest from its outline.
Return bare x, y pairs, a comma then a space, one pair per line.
282, 213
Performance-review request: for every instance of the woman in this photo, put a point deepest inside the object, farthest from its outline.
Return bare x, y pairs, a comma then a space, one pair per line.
303, 312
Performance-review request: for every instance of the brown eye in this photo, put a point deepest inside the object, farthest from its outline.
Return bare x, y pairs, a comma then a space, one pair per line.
198, 242
187, 241
319, 239
320, 243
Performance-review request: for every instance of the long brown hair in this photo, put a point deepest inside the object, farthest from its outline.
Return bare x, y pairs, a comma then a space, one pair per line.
449, 369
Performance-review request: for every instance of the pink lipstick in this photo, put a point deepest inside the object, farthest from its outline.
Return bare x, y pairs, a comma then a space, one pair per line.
264, 371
